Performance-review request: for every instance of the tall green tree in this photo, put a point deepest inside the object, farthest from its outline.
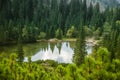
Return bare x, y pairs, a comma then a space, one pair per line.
84, 13
79, 52
20, 48
89, 13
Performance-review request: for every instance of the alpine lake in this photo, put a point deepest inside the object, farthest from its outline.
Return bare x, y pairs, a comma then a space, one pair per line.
62, 52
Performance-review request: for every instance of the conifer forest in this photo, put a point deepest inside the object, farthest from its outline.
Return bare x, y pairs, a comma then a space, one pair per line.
59, 40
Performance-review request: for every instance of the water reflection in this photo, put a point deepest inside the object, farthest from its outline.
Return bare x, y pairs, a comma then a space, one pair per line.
60, 52
89, 47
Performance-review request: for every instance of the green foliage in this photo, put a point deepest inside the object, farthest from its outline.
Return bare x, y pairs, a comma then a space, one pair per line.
111, 40
72, 32
46, 16
94, 68
29, 33
42, 35
79, 51
20, 48
88, 31
59, 34
106, 28
29, 59
97, 33
103, 54
61, 72
51, 63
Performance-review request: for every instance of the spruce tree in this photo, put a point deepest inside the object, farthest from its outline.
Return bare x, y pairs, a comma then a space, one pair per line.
20, 48
79, 52
89, 13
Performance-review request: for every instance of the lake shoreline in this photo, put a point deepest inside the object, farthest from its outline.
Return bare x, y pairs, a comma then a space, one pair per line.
54, 40
91, 40
58, 40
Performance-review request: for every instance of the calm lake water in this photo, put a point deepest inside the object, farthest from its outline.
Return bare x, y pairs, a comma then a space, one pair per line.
61, 52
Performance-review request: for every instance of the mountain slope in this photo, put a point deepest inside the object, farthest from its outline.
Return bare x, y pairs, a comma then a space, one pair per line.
105, 3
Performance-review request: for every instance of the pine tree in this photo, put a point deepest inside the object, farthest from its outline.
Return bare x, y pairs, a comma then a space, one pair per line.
84, 13
89, 13
20, 48
79, 52
118, 48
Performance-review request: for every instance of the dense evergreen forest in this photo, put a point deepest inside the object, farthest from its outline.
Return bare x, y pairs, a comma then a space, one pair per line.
26, 21
51, 18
